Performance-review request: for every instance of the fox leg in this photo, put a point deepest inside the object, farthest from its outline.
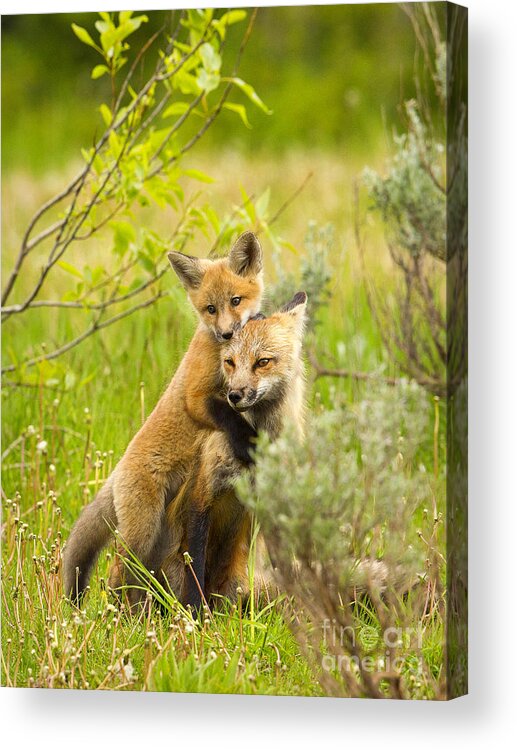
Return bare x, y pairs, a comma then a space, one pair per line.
230, 544
197, 535
216, 469
239, 433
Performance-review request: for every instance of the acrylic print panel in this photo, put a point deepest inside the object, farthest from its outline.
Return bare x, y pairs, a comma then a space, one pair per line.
235, 351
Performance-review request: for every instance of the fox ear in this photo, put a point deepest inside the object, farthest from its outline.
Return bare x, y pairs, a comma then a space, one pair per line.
295, 309
245, 257
300, 298
188, 269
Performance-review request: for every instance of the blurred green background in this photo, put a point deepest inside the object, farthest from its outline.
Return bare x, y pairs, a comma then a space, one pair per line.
333, 75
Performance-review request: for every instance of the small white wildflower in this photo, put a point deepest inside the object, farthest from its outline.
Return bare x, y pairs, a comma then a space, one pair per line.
41, 447
128, 671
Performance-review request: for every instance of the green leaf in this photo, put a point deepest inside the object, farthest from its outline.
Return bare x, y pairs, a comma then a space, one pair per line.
157, 191
248, 206
288, 245
83, 35
69, 268
146, 262
239, 109
208, 81
124, 16
106, 114
196, 174
262, 203
137, 281
213, 219
177, 108
138, 21
123, 236
97, 163
87, 154
233, 16
87, 379
211, 59
97, 274
99, 70
70, 296
115, 144
250, 92
186, 82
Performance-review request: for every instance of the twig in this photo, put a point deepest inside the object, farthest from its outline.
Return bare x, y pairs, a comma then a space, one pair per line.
96, 326
290, 200
321, 371
87, 306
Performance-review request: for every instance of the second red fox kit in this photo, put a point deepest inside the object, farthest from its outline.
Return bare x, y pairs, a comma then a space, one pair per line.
225, 293
265, 382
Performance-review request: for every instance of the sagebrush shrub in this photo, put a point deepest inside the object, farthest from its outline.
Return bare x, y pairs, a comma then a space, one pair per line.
336, 514
345, 494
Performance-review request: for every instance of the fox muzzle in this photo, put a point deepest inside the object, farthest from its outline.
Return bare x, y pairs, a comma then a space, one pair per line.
241, 399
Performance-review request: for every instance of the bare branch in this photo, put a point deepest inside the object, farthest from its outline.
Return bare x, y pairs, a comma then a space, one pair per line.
290, 200
96, 326
321, 371
92, 306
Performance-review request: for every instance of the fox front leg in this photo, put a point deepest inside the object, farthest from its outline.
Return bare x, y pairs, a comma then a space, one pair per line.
240, 434
197, 535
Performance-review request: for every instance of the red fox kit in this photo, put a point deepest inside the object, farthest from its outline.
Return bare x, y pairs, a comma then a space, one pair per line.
225, 293
265, 383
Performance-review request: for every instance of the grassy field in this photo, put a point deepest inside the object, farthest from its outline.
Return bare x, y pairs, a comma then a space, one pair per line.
61, 439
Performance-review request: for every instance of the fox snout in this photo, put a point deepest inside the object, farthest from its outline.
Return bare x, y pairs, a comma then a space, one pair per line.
241, 399
224, 329
222, 334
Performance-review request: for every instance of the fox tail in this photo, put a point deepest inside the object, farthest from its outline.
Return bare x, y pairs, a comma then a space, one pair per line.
90, 534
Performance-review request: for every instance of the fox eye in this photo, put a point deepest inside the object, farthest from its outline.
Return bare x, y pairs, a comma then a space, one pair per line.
263, 362
211, 309
229, 362
236, 301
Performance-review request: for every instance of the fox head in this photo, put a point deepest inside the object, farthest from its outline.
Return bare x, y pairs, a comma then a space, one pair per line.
263, 359
226, 292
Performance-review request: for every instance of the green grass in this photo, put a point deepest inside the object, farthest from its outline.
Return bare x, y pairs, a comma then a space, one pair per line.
64, 433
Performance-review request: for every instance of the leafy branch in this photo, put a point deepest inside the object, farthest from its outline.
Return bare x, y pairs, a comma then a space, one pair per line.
136, 161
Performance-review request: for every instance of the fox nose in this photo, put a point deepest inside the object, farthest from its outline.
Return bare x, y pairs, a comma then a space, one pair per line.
235, 396
227, 335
